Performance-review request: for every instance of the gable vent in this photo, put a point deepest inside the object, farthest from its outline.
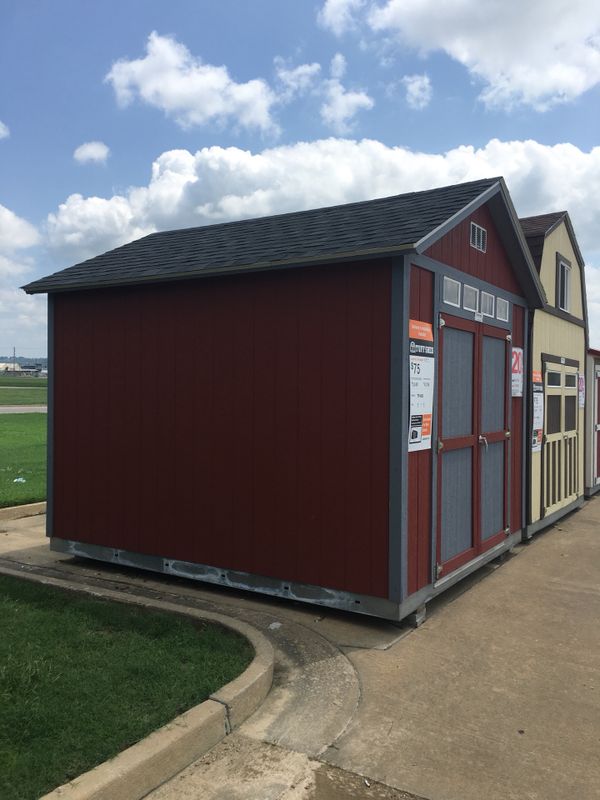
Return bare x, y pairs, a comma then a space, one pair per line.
478, 237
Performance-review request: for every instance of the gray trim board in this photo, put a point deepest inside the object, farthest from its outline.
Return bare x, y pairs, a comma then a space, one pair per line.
50, 423
544, 522
444, 269
398, 457
548, 358
558, 312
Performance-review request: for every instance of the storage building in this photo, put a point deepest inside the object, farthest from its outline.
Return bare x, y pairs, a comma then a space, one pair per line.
344, 420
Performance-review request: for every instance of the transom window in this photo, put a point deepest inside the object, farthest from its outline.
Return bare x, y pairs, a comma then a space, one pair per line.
502, 307
487, 304
451, 292
478, 237
570, 380
564, 288
553, 379
470, 298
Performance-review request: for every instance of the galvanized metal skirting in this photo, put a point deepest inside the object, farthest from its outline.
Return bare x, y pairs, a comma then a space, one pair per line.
545, 522
306, 593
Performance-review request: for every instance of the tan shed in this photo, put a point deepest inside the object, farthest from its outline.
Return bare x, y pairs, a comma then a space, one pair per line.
558, 363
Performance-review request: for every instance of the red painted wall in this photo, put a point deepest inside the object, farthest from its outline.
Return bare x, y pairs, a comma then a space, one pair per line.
241, 422
419, 463
492, 266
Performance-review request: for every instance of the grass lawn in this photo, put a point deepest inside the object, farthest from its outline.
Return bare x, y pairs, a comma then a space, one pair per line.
6, 379
81, 679
22, 455
23, 395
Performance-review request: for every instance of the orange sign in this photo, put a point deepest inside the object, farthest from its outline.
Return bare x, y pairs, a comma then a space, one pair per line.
420, 330
536, 376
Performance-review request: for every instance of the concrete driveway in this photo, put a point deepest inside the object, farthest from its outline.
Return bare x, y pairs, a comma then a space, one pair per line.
496, 696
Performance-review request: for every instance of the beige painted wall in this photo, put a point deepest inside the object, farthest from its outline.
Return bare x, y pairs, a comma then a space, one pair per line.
558, 337
559, 241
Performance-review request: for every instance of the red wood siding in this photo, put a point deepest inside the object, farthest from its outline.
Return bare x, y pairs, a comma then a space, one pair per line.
241, 422
492, 266
419, 463
516, 431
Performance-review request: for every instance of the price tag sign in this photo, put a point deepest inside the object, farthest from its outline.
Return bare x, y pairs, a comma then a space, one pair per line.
517, 372
422, 371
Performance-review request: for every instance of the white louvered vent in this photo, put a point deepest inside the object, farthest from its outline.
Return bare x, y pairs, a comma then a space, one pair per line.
478, 237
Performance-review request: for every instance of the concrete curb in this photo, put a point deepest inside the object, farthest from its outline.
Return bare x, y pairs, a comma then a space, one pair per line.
150, 762
27, 510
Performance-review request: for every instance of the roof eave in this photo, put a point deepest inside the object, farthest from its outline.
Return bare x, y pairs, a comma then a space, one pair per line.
44, 285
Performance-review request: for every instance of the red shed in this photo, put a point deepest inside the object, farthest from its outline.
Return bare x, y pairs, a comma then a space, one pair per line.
322, 405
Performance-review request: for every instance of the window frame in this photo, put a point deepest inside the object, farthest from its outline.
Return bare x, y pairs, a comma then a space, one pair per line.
449, 281
476, 290
478, 237
563, 266
499, 301
493, 299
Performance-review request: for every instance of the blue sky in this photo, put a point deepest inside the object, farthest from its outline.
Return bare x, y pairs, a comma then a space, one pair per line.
120, 118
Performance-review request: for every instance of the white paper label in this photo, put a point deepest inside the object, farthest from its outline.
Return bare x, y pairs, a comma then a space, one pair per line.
422, 373
517, 372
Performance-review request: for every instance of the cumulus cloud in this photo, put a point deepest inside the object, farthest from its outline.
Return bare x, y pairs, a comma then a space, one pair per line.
295, 81
340, 105
96, 152
546, 53
338, 16
4, 131
193, 93
22, 318
418, 91
217, 184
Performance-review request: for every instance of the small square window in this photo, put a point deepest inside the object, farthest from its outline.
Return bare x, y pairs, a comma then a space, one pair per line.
451, 292
487, 304
553, 379
564, 289
570, 380
470, 298
478, 237
502, 309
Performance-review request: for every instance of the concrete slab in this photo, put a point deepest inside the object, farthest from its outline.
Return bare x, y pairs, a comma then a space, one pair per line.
496, 696
23, 409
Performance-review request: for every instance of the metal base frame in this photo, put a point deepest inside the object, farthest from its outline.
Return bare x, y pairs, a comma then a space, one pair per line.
306, 593
540, 524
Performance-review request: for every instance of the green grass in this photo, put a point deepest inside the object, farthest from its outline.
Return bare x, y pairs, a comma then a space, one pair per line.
22, 455
23, 396
81, 679
6, 379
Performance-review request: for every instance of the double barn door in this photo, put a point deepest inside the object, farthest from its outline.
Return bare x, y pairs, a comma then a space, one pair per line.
473, 440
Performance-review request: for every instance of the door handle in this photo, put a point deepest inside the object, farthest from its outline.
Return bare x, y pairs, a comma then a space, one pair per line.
483, 440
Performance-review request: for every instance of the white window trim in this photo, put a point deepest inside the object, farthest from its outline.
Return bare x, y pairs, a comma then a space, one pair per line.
446, 282
487, 294
567, 298
500, 302
478, 237
475, 289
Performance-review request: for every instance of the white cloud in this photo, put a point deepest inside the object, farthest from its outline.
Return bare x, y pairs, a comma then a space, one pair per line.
170, 78
15, 232
338, 15
217, 184
418, 91
547, 52
96, 152
338, 66
22, 318
4, 130
295, 80
340, 105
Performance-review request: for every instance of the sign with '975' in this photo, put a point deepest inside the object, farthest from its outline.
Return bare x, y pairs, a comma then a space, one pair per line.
422, 371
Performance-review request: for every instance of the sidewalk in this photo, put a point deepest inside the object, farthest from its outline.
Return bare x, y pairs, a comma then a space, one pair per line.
496, 696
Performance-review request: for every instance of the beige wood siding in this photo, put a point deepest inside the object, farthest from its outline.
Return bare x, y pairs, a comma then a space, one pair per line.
559, 241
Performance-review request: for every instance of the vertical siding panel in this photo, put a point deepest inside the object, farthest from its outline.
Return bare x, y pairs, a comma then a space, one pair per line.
310, 366
380, 431
359, 331
335, 435
286, 428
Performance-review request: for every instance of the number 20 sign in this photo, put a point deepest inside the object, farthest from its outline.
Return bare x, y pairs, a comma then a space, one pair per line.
517, 372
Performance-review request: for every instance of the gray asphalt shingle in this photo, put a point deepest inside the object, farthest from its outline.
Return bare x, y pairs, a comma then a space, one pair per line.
300, 237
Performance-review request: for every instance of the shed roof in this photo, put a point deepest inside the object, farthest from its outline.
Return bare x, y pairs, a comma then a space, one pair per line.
365, 229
